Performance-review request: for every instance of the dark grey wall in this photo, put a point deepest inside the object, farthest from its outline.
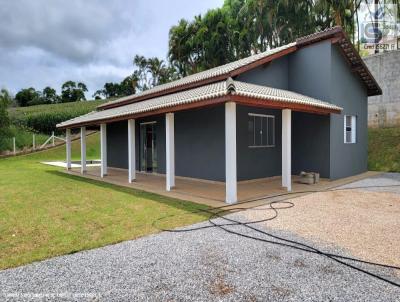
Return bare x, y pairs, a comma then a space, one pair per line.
309, 70
350, 93
117, 145
310, 74
200, 143
310, 143
257, 162
274, 74
306, 71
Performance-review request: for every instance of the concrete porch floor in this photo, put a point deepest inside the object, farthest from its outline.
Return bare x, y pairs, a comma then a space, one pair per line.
209, 192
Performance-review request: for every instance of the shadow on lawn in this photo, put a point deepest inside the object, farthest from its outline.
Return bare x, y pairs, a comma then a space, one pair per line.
185, 205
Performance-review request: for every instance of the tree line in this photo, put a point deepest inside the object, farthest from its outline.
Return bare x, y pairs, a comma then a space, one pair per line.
70, 92
238, 29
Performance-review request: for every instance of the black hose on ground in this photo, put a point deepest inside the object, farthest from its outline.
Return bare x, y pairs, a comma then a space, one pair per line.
284, 242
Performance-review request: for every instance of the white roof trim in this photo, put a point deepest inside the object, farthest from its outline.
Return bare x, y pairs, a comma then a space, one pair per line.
198, 94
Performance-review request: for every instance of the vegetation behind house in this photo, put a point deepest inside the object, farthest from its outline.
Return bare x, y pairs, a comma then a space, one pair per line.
384, 149
44, 118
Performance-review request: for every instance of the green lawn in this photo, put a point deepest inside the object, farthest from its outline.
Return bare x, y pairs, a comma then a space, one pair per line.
45, 212
384, 149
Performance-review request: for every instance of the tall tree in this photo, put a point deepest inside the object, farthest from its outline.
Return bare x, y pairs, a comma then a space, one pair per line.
5, 101
150, 72
244, 27
73, 92
27, 96
49, 95
128, 86
111, 90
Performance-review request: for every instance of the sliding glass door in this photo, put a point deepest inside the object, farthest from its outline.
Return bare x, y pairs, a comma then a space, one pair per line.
148, 147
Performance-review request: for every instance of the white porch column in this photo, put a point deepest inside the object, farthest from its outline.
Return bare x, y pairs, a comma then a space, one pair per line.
287, 149
230, 153
103, 149
68, 147
83, 150
170, 152
131, 150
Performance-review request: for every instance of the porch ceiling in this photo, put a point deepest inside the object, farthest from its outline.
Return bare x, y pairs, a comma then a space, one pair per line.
208, 95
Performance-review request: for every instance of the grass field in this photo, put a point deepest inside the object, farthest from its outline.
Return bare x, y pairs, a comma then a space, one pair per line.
384, 149
45, 212
44, 118
20, 112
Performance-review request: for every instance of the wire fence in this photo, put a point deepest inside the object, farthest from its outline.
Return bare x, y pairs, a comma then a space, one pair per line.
28, 142
33, 142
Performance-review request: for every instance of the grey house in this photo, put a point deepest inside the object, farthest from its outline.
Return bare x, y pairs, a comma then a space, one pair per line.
299, 107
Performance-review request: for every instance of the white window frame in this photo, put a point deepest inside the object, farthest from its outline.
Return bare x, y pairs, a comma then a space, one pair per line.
262, 129
353, 129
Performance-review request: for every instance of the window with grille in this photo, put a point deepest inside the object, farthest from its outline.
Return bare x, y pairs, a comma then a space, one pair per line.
350, 129
261, 130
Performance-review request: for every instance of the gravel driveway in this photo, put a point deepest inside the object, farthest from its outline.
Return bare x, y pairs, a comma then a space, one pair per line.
204, 265
385, 182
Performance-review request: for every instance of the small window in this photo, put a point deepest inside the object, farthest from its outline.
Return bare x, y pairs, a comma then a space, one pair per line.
261, 130
350, 129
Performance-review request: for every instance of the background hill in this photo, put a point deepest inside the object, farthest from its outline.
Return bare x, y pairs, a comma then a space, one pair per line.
44, 118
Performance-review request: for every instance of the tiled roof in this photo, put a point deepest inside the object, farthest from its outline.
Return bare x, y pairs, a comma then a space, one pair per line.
206, 92
203, 75
279, 95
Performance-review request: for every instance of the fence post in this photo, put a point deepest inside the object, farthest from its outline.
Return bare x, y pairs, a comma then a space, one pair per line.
33, 142
14, 149
52, 135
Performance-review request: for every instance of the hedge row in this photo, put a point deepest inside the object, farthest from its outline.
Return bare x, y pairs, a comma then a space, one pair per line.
44, 118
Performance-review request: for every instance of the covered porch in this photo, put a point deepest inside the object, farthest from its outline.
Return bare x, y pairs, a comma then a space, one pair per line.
229, 191
229, 178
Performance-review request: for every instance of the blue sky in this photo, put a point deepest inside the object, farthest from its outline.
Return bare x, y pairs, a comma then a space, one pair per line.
45, 43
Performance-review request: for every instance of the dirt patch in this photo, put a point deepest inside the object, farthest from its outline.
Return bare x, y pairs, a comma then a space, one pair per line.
220, 287
365, 223
299, 263
217, 268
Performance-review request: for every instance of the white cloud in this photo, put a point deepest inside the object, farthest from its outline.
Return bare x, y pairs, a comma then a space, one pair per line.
45, 43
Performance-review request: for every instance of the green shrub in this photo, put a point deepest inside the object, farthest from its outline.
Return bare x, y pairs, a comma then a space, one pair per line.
5, 100
384, 149
44, 118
